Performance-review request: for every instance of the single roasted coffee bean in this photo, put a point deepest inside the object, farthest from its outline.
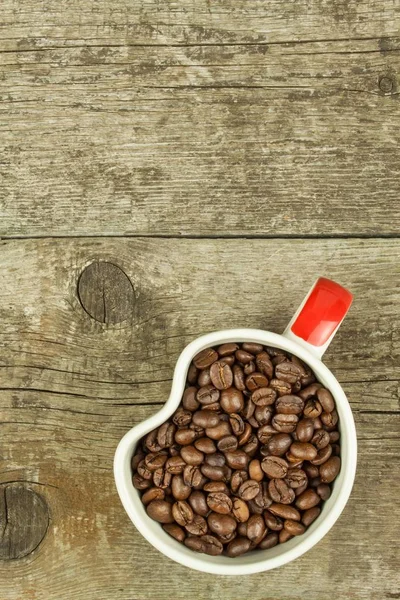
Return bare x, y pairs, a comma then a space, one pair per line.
285, 511
140, 483
237, 479
263, 396
265, 433
226, 349
281, 387
249, 368
189, 401
255, 528
329, 420
185, 436
270, 540
236, 423
243, 356
311, 470
264, 364
205, 358
280, 491
219, 431
326, 400
144, 471
249, 489
155, 460
162, 478
211, 545
263, 415
245, 436
320, 439
175, 465
151, 440
221, 375
208, 394
323, 491
216, 486
288, 371
307, 499
251, 446
296, 477
151, 494
215, 460
174, 531
197, 501
248, 410
310, 391
228, 443
227, 360
205, 445
232, 400
252, 347
192, 456
256, 380
263, 498
198, 526
204, 378
240, 510
279, 444
182, 513
205, 418
294, 527
180, 490
238, 378
192, 375
289, 405
160, 511
322, 455
303, 450
182, 418
238, 546
237, 459
213, 473
192, 475
284, 536
305, 430
272, 521
312, 409
255, 470
334, 436
221, 524
219, 503
285, 423
195, 543
165, 436
330, 469
275, 467
310, 515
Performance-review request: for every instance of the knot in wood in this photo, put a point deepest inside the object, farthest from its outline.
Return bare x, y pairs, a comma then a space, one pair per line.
386, 84
106, 292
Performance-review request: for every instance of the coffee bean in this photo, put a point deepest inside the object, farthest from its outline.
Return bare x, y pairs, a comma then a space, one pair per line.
242, 529
160, 511
323, 491
225, 539
144, 471
263, 499
155, 460
251, 446
238, 378
264, 364
151, 494
208, 394
330, 420
197, 501
221, 524
216, 486
182, 513
181, 418
192, 476
140, 483
136, 459
192, 375
249, 368
165, 436
310, 391
162, 478
205, 358
248, 410
293, 527
275, 467
272, 521
255, 528
317, 423
219, 431
237, 479
279, 444
270, 540
195, 543
296, 478
289, 405
204, 378
211, 545
237, 423
238, 546
255, 470
205, 445
307, 499
243, 356
228, 443
284, 536
252, 347
281, 387
280, 491
205, 418
265, 433
174, 531
228, 360
237, 459
322, 455
232, 400
198, 526
180, 490
330, 469
285, 511
312, 409
221, 375
215, 460
213, 473
320, 439
288, 371
245, 436
229, 348
285, 423
240, 510
263, 415
310, 515
189, 401
249, 489
303, 450
192, 456
256, 380
334, 436
326, 400
219, 503
264, 396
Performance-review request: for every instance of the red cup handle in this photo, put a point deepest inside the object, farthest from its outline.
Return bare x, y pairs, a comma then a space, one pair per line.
321, 313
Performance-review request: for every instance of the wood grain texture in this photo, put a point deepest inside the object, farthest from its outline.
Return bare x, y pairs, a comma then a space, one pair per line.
71, 386
199, 119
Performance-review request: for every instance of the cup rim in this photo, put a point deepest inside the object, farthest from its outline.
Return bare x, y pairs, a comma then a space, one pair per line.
259, 560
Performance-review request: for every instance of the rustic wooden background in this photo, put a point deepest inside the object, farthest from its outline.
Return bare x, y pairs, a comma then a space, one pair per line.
204, 161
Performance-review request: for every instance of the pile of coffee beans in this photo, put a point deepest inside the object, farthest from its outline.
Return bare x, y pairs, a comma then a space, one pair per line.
247, 459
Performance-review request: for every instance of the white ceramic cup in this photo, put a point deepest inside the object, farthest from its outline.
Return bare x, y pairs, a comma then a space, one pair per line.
307, 336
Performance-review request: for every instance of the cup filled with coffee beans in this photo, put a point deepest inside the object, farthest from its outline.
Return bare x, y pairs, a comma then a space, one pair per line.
252, 458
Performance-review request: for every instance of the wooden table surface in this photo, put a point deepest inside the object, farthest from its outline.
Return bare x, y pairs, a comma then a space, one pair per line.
200, 162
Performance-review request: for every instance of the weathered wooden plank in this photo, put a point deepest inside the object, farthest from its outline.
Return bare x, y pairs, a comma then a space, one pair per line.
29, 24
287, 139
